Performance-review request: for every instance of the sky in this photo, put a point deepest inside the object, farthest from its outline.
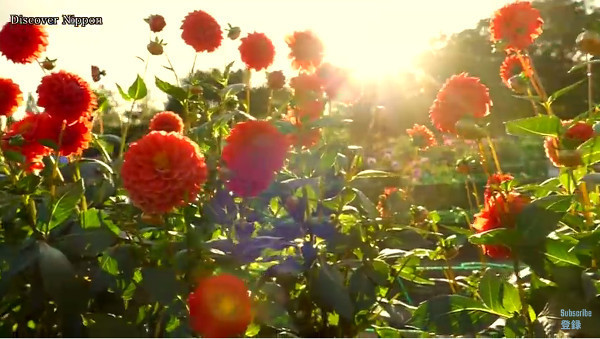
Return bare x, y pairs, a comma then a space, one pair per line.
371, 38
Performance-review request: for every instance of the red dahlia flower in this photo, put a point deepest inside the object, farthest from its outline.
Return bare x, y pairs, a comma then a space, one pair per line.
275, 80
220, 307
461, 96
500, 211
75, 138
517, 24
510, 67
23, 43
580, 132
306, 50
421, 136
10, 97
162, 171
156, 22
255, 150
257, 51
66, 96
30, 128
167, 121
201, 31
494, 182
561, 157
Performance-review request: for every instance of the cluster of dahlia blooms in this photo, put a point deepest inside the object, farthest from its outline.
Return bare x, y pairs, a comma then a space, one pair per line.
562, 151
501, 208
515, 27
65, 124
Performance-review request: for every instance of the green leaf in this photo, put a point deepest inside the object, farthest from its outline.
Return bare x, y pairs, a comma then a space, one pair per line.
98, 162
160, 283
564, 91
452, 314
123, 94
177, 93
366, 174
232, 89
497, 236
560, 252
49, 143
366, 204
582, 65
66, 204
590, 151
362, 289
543, 125
498, 295
14, 156
137, 90
56, 271
535, 222
327, 285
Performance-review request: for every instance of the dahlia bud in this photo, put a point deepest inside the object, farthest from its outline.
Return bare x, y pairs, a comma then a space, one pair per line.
518, 84
156, 22
196, 90
468, 129
49, 64
589, 42
155, 48
570, 158
233, 32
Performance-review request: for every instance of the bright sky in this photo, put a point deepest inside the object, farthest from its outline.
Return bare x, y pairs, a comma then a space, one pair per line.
370, 37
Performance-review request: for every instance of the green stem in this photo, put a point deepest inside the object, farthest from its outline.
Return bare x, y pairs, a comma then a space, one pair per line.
590, 84
126, 130
249, 74
521, 288
172, 69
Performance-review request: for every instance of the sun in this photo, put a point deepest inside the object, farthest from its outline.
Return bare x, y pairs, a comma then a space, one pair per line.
376, 45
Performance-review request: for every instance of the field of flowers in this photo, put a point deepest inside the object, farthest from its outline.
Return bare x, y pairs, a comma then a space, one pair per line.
217, 223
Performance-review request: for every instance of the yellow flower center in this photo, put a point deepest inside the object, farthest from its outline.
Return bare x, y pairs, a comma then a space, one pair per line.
161, 161
225, 306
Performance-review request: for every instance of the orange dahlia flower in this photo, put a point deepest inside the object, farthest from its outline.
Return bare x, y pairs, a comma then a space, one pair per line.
306, 50
500, 211
220, 307
517, 24
255, 150
66, 96
201, 31
461, 96
167, 121
11, 97
421, 136
257, 51
162, 171
23, 43
275, 80
29, 129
